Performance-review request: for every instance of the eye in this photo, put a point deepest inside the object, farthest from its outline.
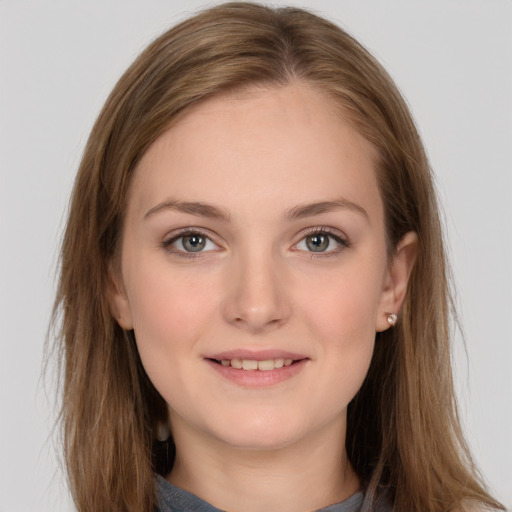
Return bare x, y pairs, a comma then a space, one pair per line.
190, 242
322, 241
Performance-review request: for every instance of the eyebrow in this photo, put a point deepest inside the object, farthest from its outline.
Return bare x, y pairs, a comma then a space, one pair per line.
309, 210
297, 212
194, 208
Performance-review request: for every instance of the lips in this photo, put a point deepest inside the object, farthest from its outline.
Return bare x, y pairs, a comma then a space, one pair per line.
244, 366
257, 369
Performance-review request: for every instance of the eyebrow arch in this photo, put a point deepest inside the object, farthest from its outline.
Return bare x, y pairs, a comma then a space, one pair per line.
298, 212
309, 210
193, 208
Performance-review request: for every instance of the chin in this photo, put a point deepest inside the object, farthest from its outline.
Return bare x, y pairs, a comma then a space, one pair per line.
260, 433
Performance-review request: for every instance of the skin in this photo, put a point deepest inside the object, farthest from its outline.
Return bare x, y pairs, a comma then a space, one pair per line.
259, 157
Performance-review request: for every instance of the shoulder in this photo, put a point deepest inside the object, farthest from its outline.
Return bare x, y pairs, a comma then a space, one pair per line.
174, 499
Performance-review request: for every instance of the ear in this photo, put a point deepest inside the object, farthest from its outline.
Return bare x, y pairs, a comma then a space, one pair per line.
118, 300
396, 279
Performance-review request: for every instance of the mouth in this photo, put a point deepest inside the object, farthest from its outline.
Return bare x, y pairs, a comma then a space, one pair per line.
263, 365
257, 368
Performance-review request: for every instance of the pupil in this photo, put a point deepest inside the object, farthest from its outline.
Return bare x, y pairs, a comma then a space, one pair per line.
193, 243
317, 243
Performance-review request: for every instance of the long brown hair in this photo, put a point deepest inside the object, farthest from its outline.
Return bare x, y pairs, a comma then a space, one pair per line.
404, 437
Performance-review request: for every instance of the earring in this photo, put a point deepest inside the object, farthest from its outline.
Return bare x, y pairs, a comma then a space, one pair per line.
392, 318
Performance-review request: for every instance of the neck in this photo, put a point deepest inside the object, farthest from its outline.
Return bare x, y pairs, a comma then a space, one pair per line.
307, 475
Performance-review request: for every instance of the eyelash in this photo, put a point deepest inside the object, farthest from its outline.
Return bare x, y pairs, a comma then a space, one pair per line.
167, 244
343, 242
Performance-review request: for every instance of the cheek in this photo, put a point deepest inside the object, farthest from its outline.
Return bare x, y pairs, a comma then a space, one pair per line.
344, 305
348, 345
170, 310
341, 311
170, 315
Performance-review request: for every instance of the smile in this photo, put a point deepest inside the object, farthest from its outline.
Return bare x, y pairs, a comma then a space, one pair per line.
262, 369
253, 364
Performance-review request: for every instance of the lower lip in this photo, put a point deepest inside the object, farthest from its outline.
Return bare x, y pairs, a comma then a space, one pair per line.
258, 378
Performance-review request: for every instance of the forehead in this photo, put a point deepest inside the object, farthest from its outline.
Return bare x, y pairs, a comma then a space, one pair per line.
288, 144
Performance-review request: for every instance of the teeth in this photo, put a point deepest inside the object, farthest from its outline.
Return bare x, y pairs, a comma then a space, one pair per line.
253, 364
237, 363
249, 364
266, 365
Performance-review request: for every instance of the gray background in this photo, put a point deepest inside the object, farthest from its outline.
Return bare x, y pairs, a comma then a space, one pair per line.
58, 62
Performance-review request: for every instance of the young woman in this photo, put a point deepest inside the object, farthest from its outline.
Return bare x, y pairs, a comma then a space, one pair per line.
253, 286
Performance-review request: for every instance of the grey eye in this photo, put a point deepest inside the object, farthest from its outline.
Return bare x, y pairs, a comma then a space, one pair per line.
322, 241
189, 243
193, 243
317, 243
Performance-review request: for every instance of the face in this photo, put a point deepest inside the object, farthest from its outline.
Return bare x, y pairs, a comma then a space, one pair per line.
254, 269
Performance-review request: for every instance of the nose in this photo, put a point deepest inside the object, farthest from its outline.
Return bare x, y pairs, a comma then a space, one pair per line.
257, 299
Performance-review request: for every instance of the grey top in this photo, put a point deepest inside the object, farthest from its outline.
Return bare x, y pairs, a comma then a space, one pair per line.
174, 499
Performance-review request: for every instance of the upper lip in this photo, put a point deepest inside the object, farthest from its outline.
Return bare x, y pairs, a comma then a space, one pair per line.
257, 355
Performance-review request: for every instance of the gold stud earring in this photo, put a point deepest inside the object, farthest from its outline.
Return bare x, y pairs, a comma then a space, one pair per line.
392, 318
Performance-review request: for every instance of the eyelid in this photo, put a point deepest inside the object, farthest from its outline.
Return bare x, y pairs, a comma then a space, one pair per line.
171, 238
340, 238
